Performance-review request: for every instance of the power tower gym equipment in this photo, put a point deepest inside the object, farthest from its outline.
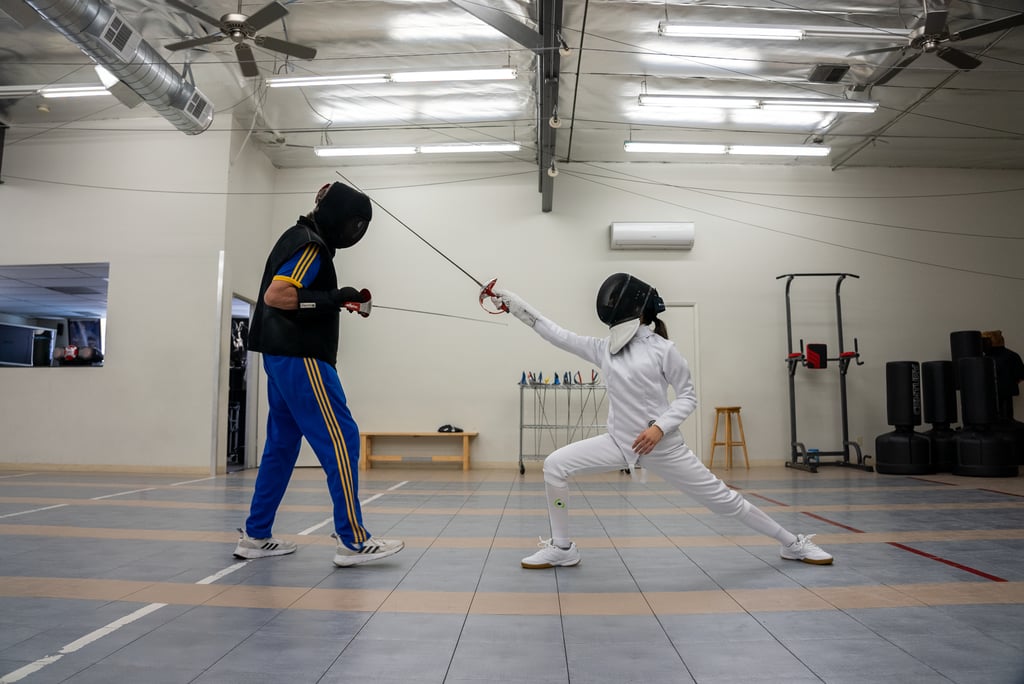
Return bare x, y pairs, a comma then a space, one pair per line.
816, 357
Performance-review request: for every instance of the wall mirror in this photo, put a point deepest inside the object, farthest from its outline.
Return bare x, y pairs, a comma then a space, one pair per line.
53, 315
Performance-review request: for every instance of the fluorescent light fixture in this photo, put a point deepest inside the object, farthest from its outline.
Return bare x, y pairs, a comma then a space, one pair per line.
9, 92
672, 148
782, 150
767, 150
400, 77
303, 81
74, 91
810, 104
470, 147
751, 32
334, 151
855, 32
757, 32
820, 105
330, 151
503, 74
699, 101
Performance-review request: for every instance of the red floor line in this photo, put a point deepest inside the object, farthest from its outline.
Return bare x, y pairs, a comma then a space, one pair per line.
925, 479
765, 498
832, 522
904, 547
997, 491
950, 563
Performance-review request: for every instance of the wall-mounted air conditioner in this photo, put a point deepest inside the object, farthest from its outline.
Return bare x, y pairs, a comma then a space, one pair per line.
652, 235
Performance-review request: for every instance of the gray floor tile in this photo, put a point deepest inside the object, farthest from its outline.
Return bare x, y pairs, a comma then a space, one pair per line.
635, 662
221, 645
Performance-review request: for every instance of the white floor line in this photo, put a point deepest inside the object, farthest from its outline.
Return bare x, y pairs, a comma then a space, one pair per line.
111, 496
222, 573
97, 634
5, 477
22, 672
34, 510
202, 479
78, 644
314, 528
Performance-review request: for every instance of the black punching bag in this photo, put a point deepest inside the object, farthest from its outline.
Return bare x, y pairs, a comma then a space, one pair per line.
903, 393
981, 452
978, 400
903, 451
963, 344
938, 392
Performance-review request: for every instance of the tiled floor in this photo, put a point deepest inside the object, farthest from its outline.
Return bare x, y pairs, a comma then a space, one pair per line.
128, 578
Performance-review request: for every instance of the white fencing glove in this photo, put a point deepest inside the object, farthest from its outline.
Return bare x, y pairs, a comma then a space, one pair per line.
516, 306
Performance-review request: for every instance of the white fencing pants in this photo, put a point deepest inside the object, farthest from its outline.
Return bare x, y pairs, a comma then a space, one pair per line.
677, 465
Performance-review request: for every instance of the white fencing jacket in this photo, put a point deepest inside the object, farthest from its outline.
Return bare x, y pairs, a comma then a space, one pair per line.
638, 378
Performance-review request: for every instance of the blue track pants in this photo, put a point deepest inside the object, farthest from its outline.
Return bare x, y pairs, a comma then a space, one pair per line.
306, 399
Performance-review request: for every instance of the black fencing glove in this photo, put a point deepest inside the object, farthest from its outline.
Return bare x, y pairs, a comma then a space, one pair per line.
323, 302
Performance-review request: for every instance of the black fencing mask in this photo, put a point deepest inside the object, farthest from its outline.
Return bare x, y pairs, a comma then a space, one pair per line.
623, 297
342, 215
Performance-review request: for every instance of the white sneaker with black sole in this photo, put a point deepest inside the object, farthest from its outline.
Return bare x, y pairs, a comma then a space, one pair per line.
262, 548
803, 549
372, 549
551, 556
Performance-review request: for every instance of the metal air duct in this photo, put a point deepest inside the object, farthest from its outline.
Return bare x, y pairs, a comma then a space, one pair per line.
107, 38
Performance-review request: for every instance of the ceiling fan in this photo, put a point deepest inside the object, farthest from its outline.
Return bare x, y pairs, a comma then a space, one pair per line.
932, 34
241, 28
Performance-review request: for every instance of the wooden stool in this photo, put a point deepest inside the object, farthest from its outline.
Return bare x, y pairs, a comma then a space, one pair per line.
729, 443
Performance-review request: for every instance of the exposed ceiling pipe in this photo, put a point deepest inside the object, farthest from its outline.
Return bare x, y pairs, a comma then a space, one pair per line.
109, 40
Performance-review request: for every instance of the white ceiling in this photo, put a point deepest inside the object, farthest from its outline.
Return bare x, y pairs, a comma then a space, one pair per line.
54, 291
930, 114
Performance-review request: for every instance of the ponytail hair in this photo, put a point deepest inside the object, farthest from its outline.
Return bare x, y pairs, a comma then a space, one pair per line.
659, 325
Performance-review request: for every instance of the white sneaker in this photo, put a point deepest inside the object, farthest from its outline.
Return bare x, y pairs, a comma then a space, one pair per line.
803, 549
262, 548
551, 556
373, 549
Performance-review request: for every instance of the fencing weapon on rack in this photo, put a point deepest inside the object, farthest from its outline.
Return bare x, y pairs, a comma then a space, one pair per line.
486, 291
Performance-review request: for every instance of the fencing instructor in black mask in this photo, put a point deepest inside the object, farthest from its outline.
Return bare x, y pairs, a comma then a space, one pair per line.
295, 328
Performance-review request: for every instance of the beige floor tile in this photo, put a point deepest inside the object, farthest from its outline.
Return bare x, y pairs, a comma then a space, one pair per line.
692, 602
611, 603
178, 594
59, 587
514, 603
399, 601
244, 596
868, 596
341, 599
758, 600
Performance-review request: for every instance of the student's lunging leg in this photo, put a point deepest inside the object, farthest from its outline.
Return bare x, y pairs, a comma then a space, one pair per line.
684, 470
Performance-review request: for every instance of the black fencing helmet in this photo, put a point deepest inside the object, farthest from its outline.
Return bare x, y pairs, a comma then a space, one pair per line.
623, 297
342, 215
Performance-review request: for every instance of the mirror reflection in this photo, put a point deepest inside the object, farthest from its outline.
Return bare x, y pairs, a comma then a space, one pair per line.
53, 314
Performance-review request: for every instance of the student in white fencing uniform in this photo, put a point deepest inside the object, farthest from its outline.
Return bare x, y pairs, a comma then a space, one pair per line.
638, 364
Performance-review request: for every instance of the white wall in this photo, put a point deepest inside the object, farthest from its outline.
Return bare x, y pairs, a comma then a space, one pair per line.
406, 371
152, 204
249, 236
160, 207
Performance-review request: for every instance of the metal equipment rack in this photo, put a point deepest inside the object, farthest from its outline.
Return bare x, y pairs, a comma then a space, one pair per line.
552, 416
801, 457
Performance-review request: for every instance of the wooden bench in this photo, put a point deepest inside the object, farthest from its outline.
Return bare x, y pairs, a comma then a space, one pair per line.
368, 457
